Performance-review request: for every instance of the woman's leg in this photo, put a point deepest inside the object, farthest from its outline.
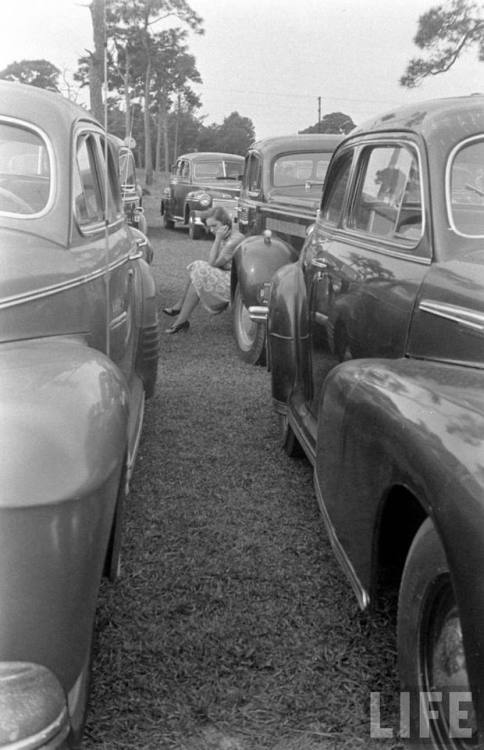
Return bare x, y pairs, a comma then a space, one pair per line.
179, 303
189, 303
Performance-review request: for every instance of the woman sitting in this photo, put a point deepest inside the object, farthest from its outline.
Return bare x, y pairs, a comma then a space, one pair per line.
209, 280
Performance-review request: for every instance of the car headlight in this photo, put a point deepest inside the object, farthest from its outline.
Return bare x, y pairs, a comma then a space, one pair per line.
33, 709
201, 197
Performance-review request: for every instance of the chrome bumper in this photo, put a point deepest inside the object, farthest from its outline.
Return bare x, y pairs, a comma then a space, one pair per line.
258, 313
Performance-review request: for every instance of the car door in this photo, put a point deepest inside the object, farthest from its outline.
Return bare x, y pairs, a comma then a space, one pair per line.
106, 252
370, 254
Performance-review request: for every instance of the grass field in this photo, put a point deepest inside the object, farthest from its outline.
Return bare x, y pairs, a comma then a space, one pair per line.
232, 627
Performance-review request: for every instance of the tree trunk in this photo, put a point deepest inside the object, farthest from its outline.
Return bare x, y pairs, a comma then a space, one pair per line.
127, 99
158, 140
147, 123
96, 60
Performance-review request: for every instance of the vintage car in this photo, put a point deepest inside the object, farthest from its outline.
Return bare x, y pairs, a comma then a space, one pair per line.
279, 197
376, 352
132, 196
78, 355
131, 190
200, 181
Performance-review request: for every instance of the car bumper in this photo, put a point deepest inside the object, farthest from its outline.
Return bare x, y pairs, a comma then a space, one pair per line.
258, 313
33, 708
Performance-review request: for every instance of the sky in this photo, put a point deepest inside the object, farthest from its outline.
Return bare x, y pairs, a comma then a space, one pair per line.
268, 60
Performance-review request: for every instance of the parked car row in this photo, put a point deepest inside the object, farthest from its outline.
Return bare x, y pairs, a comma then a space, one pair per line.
366, 298
78, 357
362, 271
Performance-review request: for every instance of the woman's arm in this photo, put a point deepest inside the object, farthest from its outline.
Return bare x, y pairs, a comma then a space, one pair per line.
218, 245
227, 251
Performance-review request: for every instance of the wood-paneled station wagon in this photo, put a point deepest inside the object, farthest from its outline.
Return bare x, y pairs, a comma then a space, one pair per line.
78, 355
200, 181
280, 194
376, 351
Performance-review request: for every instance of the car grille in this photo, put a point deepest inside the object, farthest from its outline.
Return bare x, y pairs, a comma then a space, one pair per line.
228, 204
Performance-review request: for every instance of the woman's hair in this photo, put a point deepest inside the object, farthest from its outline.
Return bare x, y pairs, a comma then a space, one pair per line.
219, 214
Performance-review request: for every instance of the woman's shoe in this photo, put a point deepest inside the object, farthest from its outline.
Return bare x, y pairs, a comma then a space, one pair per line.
171, 311
176, 327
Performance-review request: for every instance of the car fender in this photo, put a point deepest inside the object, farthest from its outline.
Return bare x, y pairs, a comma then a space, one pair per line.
417, 425
63, 442
147, 293
286, 332
255, 261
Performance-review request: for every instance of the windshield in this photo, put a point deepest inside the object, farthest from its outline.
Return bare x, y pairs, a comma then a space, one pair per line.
300, 169
217, 170
126, 168
25, 171
465, 188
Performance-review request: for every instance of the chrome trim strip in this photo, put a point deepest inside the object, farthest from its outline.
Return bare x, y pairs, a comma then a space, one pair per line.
20, 299
462, 315
343, 559
118, 320
308, 217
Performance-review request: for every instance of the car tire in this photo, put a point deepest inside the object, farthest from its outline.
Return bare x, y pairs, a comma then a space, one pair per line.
195, 231
250, 336
429, 638
167, 222
288, 440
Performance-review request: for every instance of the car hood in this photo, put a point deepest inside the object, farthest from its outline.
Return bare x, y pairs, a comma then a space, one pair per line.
448, 321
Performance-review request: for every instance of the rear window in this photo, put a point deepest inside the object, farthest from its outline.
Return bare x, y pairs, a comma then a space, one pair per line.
25, 171
300, 169
465, 188
217, 170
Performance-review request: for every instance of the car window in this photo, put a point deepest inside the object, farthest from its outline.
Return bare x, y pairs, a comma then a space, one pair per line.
465, 189
88, 204
114, 191
25, 170
232, 169
208, 170
185, 170
334, 192
298, 169
252, 173
127, 168
388, 201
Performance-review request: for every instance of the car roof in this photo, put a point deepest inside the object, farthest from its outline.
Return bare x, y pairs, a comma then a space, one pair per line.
43, 108
301, 142
207, 155
464, 114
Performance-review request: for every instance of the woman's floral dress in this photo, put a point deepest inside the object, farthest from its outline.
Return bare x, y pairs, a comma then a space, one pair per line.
212, 285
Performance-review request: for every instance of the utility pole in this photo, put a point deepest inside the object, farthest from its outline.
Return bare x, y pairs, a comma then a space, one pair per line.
319, 114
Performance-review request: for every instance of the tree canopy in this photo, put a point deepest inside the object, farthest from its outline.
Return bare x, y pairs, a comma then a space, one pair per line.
335, 122
444, 32
40, 73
